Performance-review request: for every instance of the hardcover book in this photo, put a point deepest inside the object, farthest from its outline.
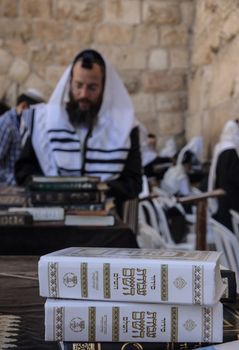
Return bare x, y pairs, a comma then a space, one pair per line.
62, 179
95, 321
42, 213
90, 218
15, 219
138, 275
64, 198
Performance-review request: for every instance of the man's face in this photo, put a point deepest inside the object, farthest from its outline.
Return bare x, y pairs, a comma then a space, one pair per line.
87, 86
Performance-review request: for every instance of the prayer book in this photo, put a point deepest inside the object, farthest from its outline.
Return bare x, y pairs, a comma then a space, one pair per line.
93, 321
15, 218
42, 213
66, 345
90, 218
136, 275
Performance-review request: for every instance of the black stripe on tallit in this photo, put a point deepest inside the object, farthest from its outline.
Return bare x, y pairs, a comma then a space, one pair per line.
62, 130
63, 140
107, 151
66, 150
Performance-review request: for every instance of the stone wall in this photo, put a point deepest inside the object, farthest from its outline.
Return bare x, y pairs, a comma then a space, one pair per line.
146, 40
214, 70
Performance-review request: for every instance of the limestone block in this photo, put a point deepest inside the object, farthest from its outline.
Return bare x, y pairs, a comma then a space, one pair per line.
82, 33
170, 123
199, 89
114, 34
18, 28
41, 53
19, 70
188, 12
83, 11
129, 57
5, 61
163, 82
32, 8
11, 94
230, 27
124, 11
161, 12
146, 35
174, 35
17, 48
49, 30
65, 51
158, 59
35, 82
4, 82
171, 102
131, 80
225, 75
179, 58
53, 74
9, 8
144, 103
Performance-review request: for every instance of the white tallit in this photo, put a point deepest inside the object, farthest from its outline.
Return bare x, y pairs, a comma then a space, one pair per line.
229, 139
109, 143
195, 145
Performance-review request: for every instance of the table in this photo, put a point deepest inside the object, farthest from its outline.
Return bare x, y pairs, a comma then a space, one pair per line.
22, 309
42, 238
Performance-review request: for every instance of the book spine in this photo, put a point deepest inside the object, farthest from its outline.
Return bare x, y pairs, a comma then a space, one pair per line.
145, 280
63, 186
44, 213
74, 320
64, 198
229, 280
130, 346
15, 219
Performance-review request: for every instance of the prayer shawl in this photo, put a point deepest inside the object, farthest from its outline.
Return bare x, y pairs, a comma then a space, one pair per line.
229, 140
57, 144
195, 146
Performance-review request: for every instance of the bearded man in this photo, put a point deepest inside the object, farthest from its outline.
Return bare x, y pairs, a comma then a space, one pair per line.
88, 128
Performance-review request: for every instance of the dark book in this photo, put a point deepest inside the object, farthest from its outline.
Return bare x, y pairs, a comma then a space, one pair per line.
15, 218
68, 186
49, 198
229, 279
12, 196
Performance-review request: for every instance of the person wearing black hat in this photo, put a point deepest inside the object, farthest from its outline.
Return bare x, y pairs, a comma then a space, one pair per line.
10, 139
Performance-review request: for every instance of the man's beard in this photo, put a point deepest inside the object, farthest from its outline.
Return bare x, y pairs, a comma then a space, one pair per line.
79, 117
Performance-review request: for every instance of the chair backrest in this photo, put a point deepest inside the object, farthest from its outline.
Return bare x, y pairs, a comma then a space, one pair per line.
227, 243
235, 222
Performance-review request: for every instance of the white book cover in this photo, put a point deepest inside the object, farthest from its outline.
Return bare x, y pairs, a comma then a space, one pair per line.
93, 321
42, 213
138, 275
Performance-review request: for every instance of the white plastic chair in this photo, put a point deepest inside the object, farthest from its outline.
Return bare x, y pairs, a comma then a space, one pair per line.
227, 243
235, 222
149, 216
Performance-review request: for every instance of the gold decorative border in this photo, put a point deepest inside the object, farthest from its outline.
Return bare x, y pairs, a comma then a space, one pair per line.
84, 280
197, 284
106, 280
53, 279
59, 321
207, 324
115, 323
91, 324
164, 282
174, 324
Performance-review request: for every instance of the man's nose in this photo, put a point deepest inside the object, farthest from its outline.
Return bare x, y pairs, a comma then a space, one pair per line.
84, 92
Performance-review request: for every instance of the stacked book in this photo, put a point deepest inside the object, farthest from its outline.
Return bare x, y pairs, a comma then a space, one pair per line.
131, 296
82, 192
72, 200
